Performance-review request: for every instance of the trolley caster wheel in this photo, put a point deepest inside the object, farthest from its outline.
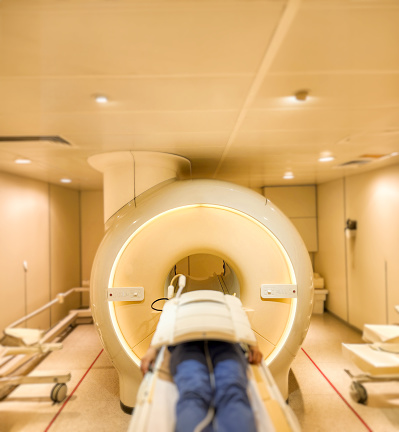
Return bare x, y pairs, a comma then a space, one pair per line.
358, 392
59, 392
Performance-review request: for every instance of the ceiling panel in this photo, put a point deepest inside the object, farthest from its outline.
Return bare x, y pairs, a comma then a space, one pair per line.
51, 163
330, 89
124, 94
322, 119
137, 38
117, 123
333, 36
271, 170
210, 80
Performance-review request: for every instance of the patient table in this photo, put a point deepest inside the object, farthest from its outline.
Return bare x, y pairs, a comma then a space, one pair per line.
378, 358
155, 406
205, 315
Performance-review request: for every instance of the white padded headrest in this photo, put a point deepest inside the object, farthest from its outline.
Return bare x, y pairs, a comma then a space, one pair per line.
200, 315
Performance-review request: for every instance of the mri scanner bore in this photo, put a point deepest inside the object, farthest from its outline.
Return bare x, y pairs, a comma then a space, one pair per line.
251, 247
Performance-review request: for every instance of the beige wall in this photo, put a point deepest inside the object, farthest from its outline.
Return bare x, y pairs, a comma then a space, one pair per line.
298, 203
330, 259
56, 231
92, 231
39, 225
361, 273
24, 234
64, 248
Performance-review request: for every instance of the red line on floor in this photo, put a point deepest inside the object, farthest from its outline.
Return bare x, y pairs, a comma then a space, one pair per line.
69, 397
338, 393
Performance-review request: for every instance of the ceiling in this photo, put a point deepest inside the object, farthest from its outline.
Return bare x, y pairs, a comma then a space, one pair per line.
212, 81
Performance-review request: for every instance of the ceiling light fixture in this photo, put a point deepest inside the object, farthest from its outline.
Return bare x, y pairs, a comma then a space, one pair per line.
288, 175
301, 95
22, 161
101, 99
326, 159
66, 180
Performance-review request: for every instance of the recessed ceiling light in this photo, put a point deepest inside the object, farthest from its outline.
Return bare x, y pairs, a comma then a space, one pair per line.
22, 161
326, 159
66, 180
288, 175
101, 99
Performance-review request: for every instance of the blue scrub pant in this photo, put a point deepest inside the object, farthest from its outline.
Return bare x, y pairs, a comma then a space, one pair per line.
229, 397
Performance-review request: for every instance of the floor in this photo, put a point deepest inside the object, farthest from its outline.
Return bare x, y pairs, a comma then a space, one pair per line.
319, 389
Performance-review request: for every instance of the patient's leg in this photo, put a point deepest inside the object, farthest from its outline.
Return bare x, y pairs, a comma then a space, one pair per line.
233, 409
195, 395
191, 376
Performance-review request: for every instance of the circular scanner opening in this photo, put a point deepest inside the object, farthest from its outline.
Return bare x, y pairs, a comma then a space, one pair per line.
205, 272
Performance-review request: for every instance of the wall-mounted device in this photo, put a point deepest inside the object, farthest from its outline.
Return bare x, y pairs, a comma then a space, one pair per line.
350, 228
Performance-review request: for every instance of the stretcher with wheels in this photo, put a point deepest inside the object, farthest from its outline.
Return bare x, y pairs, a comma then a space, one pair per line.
21, 349
378, 359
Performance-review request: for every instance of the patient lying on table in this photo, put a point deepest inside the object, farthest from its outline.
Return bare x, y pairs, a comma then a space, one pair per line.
211, 377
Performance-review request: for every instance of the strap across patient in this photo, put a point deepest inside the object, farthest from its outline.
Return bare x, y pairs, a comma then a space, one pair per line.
203, 315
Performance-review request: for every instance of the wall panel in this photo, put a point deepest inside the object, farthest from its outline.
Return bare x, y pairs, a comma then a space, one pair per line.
373, 200
330, 259
92, 231
299, 204
361, 272
64, 247
24, 234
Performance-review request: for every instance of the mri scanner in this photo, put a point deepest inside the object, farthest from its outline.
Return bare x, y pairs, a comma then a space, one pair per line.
159, 221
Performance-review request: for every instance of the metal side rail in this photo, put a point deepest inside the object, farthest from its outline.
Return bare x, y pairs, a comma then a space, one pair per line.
21, 349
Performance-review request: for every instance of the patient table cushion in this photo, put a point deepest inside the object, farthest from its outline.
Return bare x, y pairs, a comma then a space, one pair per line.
371, 360
200, 315
381, 333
